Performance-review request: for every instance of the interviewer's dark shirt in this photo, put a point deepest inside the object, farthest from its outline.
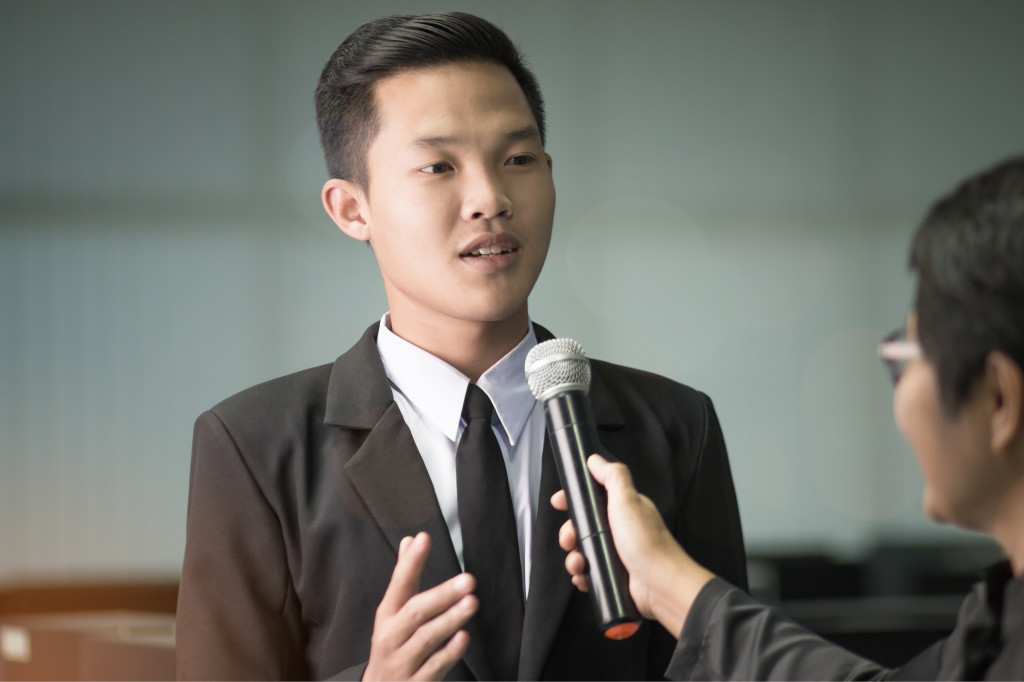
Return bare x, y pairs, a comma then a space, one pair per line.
729, 636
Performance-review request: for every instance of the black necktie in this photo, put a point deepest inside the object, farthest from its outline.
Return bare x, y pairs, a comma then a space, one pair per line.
490, 544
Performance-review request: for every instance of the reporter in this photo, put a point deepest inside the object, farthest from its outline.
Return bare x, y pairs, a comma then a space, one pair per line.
959, 402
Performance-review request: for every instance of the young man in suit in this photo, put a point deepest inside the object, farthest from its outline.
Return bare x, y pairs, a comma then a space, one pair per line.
332, 528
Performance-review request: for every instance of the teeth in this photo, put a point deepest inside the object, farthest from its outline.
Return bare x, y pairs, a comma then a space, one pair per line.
490, 251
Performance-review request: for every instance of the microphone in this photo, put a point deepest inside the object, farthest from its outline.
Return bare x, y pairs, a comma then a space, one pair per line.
558, 373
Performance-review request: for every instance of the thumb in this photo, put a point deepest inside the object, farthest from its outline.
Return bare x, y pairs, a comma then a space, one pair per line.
598, 466
614, 476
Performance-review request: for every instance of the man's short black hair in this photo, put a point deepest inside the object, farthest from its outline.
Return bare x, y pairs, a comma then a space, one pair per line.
969, 257
345, 108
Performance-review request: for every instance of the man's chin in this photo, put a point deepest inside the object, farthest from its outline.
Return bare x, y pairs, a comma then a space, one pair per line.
499, 318
509, 310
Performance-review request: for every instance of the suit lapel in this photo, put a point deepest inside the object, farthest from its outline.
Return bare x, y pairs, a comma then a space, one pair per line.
387, 472
395, 487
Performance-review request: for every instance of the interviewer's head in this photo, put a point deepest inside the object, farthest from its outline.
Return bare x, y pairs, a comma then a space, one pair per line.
960, 400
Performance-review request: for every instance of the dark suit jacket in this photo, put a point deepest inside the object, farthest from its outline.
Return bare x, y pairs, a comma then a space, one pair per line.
302, 487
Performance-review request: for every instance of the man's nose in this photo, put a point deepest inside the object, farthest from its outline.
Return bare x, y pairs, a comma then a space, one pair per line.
486, 198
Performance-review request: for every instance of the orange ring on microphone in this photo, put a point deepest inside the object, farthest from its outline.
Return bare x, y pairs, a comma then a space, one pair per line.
622, 630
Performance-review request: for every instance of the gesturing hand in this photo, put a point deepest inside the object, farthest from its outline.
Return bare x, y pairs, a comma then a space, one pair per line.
417, 635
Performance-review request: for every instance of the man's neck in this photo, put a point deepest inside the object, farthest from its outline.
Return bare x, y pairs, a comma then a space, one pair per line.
471, 347
1008, 528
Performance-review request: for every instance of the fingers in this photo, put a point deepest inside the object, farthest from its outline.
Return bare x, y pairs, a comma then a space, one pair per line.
429, 618
405, 579
576, 567
580, 582
430, 648
417, 635
559, 501
575, 562
441, 661
567, 536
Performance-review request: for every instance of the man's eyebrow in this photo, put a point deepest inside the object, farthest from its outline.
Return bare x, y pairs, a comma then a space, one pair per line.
437, 141
527, 132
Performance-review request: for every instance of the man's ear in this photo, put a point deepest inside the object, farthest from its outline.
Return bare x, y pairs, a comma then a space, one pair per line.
346, 203
1007, 381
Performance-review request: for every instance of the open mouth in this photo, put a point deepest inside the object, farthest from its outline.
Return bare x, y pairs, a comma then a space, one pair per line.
489, 252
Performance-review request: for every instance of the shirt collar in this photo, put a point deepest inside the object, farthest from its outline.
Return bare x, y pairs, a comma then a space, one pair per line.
1012, 596
438, 390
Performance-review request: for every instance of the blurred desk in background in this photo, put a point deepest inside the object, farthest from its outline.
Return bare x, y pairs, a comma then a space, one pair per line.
87, 630
100, 645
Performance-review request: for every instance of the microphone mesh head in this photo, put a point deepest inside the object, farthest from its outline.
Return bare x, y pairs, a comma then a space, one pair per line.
555, 364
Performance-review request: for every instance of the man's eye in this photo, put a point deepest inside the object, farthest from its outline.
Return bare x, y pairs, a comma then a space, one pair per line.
521, 159
439, 167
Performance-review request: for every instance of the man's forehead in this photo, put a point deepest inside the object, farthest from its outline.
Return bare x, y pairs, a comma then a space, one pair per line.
434, 97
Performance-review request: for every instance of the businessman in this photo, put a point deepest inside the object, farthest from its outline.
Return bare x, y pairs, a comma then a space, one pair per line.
380, 517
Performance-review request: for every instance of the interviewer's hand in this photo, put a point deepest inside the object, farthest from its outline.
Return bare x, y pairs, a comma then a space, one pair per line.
663, 579
417, 635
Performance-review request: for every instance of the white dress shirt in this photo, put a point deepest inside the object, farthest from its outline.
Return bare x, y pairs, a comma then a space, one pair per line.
430, 393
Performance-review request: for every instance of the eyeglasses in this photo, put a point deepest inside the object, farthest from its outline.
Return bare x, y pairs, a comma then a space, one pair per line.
897, 351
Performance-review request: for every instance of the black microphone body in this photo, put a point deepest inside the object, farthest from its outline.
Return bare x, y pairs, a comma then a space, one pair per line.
573, 436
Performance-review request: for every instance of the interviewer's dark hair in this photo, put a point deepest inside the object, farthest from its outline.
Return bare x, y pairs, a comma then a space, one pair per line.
969, 257
345, 108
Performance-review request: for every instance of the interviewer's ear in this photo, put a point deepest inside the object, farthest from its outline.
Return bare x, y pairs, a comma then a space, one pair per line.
1007, 381
346, 203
